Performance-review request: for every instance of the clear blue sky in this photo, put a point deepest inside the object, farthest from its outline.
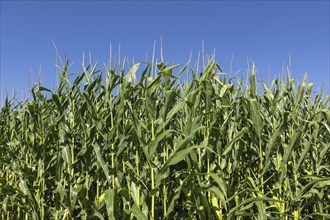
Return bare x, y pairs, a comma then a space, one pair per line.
265, 32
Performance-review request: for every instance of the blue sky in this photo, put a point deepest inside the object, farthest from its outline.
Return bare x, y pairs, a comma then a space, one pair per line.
267, 32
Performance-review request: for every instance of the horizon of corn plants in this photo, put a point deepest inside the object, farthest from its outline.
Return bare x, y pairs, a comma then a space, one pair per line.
152, 147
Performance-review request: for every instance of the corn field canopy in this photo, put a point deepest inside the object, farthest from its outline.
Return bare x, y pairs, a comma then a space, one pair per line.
153, 147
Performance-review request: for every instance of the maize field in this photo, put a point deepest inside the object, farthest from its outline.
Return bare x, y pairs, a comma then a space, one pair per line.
115, 144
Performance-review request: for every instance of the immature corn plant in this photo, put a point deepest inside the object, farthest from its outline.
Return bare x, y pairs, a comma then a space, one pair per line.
141, 146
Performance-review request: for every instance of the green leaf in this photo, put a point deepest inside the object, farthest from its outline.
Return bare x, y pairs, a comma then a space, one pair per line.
294, 140
137, 213
301, 91
221, 183
180, 155
98, 215
271, 143
26, 191
248, 202
158, 138
110, 201
236, 138
258, 123
41, 88
303, 155
101, 161
131, 75
57, 101
252, 82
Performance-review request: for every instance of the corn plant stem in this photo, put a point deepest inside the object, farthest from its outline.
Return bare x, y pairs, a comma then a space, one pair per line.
296, 210
72, 140
72, 149
138, 174
220, 207
113, 165
152, 177
208, 178
152, 196
112, 154
199, 159
129, 189
43, 196
41, 131
296, 213
123, 162
97, 189
208, 161
260, 167
236, 199
164, 183
18, 212
86, 174
97, 180
164, 187
56, 215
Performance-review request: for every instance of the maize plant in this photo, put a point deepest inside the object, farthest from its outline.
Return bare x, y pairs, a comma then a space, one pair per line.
143, 144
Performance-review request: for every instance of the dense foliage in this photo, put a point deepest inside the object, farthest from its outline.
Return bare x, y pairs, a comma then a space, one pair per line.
154, 147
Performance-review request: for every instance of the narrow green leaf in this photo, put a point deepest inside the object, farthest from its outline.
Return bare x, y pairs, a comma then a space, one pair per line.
301, 91
102, 163
137, 213
57, 101
110, 201
229, 146
294, 140
158, 138
271, 143
252, 82
256, 117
